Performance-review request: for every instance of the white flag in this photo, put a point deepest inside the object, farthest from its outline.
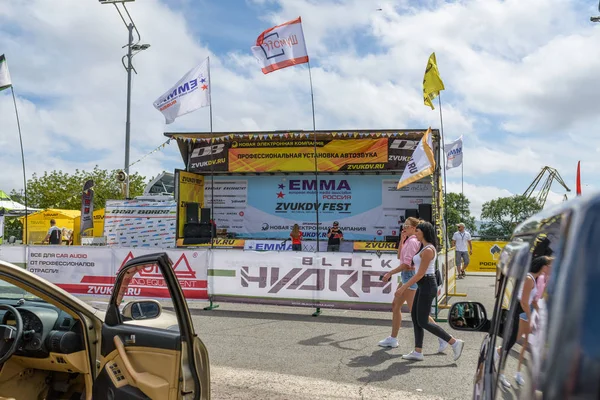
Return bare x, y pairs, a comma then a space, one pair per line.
454, 153
421, 164
5, 82
189, 94
1, 227
281, 46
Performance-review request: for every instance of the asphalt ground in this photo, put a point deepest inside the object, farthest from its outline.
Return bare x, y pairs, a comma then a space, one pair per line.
270, 352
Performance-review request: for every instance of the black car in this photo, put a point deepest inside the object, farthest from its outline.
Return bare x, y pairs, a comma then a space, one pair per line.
560, 357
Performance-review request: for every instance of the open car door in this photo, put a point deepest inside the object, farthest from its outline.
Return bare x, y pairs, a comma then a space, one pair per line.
141, 362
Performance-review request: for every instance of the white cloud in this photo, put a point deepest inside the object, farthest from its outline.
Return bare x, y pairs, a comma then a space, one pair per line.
520, 77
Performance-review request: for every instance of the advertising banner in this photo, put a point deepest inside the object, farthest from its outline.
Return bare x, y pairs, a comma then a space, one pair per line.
327, 280
485, 256
78, 270
87, 208
189, 188
190, 266
267, 207
140, 223
297, 154
372, 247
14, 254
286, 245
217, 243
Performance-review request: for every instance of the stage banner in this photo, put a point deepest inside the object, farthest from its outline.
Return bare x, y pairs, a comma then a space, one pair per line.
296, 153
190, 266
485, 256
373, 247
326, 280
189, 188
140, 223
286, 245
76, 269
217, 243
368, 208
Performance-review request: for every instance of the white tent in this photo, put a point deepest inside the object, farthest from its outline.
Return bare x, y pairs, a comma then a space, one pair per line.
11, 208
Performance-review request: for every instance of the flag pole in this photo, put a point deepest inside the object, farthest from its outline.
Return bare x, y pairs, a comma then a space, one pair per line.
212, 164
312, 99
462, 184
445, 231
22, 159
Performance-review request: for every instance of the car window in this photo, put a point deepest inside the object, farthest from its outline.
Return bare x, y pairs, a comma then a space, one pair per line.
523, 335
137, 299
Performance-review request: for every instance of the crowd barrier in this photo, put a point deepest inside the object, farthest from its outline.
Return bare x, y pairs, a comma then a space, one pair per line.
308, 279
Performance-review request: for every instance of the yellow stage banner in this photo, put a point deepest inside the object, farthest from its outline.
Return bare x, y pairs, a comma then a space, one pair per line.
372, 247
217, 243
334, 155
190, 190
485, 256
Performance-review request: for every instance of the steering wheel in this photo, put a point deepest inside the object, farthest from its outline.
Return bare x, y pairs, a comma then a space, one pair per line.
10, 334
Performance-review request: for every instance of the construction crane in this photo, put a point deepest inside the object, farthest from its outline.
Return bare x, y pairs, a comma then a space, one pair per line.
543, 193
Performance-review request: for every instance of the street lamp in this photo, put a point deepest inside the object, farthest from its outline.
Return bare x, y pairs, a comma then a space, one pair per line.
131, 47
596, 19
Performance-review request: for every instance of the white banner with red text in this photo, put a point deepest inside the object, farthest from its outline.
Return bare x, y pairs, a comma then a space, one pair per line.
90, 270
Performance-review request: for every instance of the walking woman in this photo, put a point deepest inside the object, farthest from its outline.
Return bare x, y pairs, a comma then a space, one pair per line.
296, 236
424, 277
409, 246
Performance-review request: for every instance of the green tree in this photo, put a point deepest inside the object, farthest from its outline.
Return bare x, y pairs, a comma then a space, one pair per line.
502, 215
458, 210
58, 189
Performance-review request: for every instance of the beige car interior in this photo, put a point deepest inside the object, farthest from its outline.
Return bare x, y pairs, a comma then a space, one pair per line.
154, 371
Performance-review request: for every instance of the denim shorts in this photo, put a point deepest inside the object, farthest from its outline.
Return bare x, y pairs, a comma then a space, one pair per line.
406, 275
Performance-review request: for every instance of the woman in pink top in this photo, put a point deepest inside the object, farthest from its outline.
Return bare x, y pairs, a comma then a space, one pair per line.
409, 246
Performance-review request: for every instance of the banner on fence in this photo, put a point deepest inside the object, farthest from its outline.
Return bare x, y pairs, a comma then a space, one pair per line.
14, 254
326, 280
140, 223
485, 256
92, 270
267, 207
279, 154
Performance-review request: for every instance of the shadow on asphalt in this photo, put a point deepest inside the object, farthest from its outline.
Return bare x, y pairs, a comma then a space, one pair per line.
324, 340
397, 368
327, 319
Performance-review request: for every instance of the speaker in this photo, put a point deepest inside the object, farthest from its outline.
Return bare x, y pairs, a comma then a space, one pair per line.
197, 230
425, 213
394, 239
191, 212
411, 212
205, 216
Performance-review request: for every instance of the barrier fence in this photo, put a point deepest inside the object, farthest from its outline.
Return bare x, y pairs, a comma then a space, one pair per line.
307, 279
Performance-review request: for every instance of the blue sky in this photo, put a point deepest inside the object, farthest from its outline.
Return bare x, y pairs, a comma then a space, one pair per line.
521, 80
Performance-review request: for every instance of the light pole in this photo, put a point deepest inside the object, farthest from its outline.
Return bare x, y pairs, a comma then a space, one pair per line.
132, 50
597, 18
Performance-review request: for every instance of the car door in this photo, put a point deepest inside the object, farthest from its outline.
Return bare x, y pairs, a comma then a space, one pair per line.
142, 362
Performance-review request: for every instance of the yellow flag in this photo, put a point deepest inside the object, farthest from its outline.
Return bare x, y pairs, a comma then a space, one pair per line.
432, 83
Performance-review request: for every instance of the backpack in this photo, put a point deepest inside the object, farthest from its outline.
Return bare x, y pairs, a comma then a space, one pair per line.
55, 236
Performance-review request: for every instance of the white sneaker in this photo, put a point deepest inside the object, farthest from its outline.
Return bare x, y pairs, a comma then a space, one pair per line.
443, 345
457, 347
413, 355
504, 381
389, 342
519, 379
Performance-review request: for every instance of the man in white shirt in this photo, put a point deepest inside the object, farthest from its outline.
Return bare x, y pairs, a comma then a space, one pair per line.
460, 240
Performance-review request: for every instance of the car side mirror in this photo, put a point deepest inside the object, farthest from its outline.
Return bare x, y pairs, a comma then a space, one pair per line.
468, 316
142, 309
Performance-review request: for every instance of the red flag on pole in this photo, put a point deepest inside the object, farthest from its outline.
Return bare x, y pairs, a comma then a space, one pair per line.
578, 178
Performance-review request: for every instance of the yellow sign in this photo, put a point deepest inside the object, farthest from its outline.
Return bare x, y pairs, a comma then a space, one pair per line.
485, 256
385, 247
190, 190
218, 243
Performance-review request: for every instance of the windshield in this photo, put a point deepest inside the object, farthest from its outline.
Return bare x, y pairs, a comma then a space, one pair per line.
10, 291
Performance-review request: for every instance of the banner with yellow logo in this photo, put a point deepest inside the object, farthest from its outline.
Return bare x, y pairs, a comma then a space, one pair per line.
189, 189
485, 256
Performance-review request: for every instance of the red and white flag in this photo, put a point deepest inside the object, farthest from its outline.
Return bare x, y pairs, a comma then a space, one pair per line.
281, 46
